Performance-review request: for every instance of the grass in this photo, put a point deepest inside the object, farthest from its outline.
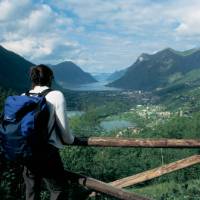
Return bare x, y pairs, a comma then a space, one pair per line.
171, 190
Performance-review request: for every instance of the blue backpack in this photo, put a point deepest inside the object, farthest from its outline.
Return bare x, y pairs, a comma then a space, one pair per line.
24, 126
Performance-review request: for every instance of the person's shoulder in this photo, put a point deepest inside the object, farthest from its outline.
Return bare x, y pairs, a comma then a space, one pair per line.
55, 94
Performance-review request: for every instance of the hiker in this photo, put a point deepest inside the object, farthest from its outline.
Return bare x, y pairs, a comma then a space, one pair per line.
49, 167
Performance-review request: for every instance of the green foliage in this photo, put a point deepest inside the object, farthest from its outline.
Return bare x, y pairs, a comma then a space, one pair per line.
172, 190
174, 77
11, 181
4, 93
109, 164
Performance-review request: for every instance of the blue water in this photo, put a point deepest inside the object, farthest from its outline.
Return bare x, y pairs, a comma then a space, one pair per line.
97, 86
116, 124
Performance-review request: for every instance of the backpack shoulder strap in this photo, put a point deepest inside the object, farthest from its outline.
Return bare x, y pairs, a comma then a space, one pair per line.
43, 93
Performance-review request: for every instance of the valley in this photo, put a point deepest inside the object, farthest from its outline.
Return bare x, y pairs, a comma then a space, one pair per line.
170, 110
136, 114
125, 77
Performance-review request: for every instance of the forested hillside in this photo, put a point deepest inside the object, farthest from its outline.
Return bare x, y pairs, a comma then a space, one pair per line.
14, 70
69, 73
160, 70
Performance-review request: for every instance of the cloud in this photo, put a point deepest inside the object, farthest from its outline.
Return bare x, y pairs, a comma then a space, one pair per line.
42, 49
39, 19
123, 15
39, 35
97, 34
189, 21
13, 9
137, 16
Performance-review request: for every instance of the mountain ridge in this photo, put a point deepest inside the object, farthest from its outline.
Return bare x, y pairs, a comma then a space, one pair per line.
68, 72
152, 71
14, 70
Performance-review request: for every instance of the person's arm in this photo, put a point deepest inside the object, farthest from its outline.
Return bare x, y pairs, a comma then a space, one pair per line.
61, 119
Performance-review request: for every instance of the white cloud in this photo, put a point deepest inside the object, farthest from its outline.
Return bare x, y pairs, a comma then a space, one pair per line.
40, 19
190, 22
40, 35
6, 9
185, 15
13, 9
97, 34
44, 49
23, 47
121, 15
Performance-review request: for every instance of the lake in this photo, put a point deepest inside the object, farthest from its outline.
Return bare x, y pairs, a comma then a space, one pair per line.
97, 86
106, 125
116, 124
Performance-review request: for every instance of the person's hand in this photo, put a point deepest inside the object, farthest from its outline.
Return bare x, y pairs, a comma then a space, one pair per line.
80, 141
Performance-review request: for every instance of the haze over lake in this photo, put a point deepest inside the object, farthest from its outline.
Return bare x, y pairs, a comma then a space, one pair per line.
97, 86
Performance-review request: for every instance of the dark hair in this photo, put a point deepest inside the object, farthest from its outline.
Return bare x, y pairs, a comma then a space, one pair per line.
41, 75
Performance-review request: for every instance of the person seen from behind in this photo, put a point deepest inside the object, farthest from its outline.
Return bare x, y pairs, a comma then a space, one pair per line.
49, 168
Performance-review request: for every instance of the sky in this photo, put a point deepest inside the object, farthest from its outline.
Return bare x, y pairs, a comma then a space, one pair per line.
98, 35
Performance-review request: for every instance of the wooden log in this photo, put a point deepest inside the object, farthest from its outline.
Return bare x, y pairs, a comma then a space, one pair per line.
153, 173
145, 143
102, 187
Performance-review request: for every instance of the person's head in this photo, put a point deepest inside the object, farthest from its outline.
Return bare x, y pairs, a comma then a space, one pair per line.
41, 75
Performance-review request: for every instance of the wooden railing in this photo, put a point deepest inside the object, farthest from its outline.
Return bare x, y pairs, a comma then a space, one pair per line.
114, 188
144, 143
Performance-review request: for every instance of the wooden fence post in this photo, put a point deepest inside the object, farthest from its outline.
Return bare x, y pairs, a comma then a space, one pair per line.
102, 187
153, 173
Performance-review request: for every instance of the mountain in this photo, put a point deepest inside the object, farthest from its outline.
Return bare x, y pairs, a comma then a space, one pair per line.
159, 70
69, 73
14, 70
116, 75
